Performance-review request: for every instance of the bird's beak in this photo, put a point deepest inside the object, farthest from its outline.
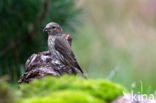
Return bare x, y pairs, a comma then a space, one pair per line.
45, 29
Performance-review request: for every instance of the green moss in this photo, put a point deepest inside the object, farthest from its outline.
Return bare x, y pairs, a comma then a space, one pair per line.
68, 89
65, 97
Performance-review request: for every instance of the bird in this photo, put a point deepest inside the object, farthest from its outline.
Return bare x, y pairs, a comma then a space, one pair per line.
56, 61
60, 47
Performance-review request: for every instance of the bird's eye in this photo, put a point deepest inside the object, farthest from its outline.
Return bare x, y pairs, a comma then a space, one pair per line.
53, 27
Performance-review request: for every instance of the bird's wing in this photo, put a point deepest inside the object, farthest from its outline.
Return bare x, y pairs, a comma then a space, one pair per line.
63, 47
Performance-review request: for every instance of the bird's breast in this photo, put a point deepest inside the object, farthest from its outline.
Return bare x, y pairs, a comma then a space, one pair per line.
51, 43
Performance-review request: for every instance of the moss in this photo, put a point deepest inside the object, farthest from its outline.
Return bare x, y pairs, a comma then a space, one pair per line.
68, 89
65, 97
6, 93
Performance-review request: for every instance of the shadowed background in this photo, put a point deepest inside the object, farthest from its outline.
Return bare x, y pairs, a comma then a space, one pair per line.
113, 39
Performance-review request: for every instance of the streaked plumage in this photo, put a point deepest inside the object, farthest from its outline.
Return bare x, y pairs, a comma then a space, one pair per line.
60, 47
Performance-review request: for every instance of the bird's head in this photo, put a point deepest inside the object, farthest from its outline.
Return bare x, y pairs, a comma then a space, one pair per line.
53, 28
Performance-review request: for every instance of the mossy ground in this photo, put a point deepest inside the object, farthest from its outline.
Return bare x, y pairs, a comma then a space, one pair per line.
69, 89
65, 89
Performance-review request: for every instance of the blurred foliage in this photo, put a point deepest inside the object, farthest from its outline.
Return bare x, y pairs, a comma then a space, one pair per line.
118, 41
6, 92
21, 23
69, 89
